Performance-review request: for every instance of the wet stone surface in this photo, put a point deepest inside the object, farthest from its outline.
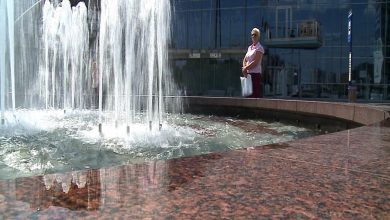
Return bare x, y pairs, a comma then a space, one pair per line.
344, 175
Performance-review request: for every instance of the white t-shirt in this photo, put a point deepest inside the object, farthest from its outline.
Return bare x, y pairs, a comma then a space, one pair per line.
251, 54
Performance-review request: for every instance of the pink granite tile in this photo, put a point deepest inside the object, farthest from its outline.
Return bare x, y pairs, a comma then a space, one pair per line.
307, 107
249, 103
367, 115
267, 104
344, 175
240, 184
286, 105
344, 111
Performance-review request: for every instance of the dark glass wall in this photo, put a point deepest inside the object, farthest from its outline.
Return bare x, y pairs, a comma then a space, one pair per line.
210, 38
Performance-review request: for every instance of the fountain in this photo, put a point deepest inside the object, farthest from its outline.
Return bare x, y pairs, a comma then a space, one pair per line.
93, 89
131, 55
2, 59
65, 61
130, 50
135, 73
15, 38
7, 59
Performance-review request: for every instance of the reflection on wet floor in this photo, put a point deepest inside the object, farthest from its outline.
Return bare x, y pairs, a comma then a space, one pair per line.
344, 175
74, 191
337, 176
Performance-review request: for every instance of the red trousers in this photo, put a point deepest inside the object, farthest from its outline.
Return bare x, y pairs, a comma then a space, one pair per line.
257, 84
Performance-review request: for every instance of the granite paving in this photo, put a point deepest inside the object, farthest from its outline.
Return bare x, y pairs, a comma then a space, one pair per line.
343, 175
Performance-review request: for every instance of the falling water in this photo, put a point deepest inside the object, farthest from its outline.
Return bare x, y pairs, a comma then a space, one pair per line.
28, 27
11, 39
17, 43
7, 58
3, 37
57, 45
65, 46
133, 57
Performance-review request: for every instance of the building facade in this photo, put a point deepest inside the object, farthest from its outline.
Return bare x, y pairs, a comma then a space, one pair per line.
305, 42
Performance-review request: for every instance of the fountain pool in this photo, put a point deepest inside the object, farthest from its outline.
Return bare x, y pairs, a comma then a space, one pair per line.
42, 142
92, 88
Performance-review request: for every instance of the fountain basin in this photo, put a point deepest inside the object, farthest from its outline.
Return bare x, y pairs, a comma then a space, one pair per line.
36, 142
337, 174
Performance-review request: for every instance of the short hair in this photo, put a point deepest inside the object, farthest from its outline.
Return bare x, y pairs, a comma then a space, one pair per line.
256, 30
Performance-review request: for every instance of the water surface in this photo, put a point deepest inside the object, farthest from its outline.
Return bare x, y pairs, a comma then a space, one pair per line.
42, 142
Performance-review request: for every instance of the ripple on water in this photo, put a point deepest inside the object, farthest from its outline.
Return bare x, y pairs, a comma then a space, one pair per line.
41, 142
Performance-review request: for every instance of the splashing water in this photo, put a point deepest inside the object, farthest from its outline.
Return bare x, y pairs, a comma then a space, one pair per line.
129, 64
104, 63
4, 62
134, 79
112, 56
65, 46
49, 141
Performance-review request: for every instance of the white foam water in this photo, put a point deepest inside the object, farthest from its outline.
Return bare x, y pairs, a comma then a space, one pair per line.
129, 64
49, 141
112, 56
63, 79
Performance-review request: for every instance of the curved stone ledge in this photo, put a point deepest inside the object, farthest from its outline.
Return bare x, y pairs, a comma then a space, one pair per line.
363, 114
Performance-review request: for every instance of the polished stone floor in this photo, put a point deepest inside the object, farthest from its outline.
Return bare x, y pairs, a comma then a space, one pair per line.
344, 175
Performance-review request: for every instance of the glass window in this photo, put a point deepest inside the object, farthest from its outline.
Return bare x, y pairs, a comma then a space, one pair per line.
194, 27
206, 25
179, 37
323, 72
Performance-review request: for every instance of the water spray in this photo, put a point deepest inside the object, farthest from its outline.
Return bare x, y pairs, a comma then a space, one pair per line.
3, 45
29, 9
11, 39
123, 86
100, 128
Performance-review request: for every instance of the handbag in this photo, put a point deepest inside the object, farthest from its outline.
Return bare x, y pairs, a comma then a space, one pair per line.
246, 85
